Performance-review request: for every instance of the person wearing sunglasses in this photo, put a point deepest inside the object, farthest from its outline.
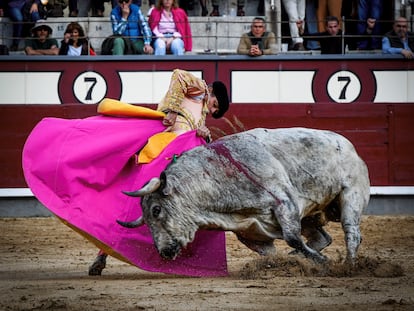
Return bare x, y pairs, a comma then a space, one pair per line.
258, 41
399, 40
130, 29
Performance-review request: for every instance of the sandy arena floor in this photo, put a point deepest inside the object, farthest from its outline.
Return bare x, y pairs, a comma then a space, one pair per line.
43, 266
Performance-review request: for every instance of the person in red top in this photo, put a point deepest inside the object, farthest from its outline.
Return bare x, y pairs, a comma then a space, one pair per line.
171, 28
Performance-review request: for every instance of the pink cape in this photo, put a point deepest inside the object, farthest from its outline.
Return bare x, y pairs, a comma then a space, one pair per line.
78, 168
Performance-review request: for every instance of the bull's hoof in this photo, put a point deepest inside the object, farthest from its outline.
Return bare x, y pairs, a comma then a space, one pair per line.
316, 258
98, 265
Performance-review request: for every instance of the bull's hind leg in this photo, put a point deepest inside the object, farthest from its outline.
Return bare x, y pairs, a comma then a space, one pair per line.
312, 229
289, 221
318, 238
352, 203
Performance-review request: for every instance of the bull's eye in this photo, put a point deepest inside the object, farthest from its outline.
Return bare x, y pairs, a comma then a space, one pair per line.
156, 210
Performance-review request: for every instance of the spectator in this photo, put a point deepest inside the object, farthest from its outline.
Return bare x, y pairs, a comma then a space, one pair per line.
151, 4
258, 41
75, 42
295, 10
216, 11
170, 26
41, 43
114, 3
331, 40
20, 12
132, 34
328, 8
399, 40
369, 13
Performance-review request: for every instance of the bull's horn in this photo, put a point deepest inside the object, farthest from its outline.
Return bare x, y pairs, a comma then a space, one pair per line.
131, 224
150, 187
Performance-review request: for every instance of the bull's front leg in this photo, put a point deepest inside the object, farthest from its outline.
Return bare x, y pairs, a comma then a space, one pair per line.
352, 204
288, 217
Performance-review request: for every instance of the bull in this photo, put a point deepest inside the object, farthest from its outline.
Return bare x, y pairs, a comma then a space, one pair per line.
261, 184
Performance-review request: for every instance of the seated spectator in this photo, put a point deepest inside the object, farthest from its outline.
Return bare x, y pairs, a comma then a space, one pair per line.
53, 8
20, 12
40, 43
327, 8
74, 42
132, 34
258, 41
399, 40
171, 28
151, 4
73, 8
330, 40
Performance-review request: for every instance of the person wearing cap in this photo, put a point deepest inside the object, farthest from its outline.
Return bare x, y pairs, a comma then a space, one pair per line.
40, 43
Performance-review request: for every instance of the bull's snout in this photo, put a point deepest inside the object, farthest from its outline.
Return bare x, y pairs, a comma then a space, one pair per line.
171, 251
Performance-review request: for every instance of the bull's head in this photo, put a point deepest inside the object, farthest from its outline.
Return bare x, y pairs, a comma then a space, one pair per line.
170, 230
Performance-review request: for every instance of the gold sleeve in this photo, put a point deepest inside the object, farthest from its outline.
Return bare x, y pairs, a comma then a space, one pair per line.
183, 84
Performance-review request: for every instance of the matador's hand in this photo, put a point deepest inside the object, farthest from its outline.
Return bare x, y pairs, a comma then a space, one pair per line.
170, 118
204, 132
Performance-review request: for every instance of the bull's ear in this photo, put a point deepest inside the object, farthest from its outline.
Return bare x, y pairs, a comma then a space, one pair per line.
166, 190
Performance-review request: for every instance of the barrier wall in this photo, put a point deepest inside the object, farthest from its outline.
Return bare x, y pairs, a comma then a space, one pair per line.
370, 100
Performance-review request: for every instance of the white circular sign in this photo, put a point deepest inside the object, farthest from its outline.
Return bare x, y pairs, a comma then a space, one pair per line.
90, 87
344, 87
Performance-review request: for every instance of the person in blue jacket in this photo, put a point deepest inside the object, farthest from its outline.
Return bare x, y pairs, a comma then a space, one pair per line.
130, 27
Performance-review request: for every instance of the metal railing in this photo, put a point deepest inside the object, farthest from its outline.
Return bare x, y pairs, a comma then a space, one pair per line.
209, 35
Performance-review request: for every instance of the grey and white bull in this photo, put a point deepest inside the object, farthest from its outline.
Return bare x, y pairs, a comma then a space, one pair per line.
262, 184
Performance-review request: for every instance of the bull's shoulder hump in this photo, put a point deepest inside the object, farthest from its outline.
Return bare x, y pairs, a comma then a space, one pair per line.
291, 132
